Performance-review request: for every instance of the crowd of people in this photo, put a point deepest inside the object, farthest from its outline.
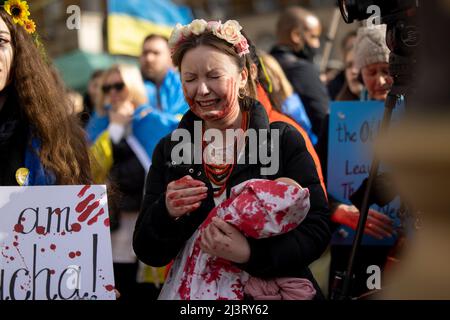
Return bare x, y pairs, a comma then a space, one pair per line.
210, 73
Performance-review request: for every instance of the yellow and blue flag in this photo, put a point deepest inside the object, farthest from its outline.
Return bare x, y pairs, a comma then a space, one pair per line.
129, 22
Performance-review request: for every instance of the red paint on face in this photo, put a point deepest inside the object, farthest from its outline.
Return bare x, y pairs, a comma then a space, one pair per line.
53, 247
76, 227
227, 103
18, 228
83, 204
83, 191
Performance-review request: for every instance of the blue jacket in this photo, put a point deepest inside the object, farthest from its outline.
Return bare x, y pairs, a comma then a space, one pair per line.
148, 126
171, 98
37, 176
294, 108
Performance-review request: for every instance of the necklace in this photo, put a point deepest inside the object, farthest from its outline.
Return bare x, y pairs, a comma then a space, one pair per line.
220, 173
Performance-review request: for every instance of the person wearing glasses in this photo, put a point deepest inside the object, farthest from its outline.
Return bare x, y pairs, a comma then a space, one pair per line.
123, 135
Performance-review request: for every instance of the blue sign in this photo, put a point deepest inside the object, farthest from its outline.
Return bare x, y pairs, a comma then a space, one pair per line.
354, 126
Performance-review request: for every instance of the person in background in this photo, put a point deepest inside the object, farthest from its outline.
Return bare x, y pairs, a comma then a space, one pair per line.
371, 57
90, 98
298, 39
372, 61
351, 91
123, 140
76, 102
336, 85
285, 100
161, 80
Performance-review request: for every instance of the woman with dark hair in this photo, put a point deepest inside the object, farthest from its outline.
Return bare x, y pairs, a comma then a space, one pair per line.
211, 57
40, 142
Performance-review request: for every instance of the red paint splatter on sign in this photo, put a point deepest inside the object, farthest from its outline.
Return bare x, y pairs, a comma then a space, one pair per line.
83, 191
95, 218
53, 247
40, 230
18, 228
86, 213
72, 255
106, 222
109, 287
76, 227
83, 204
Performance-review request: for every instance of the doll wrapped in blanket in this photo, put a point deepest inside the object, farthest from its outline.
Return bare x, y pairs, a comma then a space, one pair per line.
259, 209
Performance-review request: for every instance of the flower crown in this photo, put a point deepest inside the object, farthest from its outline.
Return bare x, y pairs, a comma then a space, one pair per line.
19, 11
230, 31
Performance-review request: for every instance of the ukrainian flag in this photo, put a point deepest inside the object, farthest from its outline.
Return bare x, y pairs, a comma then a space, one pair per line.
130, 21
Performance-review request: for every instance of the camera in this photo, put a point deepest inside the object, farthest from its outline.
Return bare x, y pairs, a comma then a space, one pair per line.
402, 36
352, 10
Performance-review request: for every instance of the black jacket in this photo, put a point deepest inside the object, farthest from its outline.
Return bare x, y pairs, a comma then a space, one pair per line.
129, 175
305, 79
158, 238
13, 142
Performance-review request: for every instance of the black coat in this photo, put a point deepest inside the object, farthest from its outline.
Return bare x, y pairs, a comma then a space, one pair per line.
305, 78
129, 175
158, 238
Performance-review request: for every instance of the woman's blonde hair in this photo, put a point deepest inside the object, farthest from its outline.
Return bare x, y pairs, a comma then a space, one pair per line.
281, 87
134, 83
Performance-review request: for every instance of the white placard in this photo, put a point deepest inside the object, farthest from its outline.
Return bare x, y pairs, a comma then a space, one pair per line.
55, 243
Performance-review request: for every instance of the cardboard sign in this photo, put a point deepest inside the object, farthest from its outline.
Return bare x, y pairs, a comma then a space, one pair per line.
55, 243
354, 126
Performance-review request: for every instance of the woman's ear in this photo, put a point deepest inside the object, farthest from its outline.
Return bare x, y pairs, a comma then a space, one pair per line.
243, 78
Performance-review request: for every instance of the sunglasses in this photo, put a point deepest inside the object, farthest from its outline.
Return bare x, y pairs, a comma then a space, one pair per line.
116, 86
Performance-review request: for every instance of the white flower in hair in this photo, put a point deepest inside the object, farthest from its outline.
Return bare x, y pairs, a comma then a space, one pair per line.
198, 26
176, 35
230, 32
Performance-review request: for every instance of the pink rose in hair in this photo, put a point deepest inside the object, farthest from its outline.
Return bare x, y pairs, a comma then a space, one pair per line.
242, 47
230, 32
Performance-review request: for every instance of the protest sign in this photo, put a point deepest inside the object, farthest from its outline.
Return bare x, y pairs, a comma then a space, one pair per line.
353, 127
55, 243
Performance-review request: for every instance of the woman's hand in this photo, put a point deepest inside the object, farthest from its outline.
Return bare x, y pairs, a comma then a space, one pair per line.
122, 114
378, 225
184, 196
223, 240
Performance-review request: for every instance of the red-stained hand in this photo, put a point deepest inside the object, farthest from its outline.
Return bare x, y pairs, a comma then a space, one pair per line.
223, 240
378, 225
184, 196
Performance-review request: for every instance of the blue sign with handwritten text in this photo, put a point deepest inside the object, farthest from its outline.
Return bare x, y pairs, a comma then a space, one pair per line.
353, 128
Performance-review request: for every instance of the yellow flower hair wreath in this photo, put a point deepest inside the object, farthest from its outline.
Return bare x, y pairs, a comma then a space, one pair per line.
19, 11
